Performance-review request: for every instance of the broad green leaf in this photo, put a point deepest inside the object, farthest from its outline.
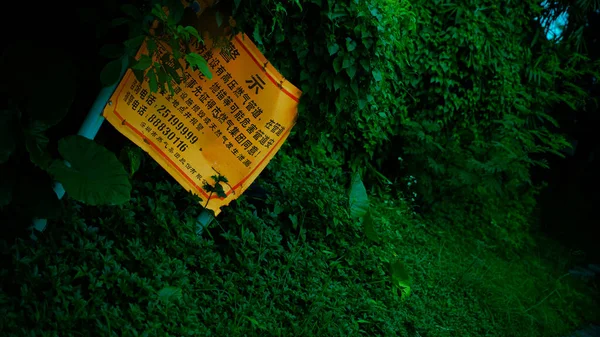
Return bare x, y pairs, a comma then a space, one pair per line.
257, 36
7, 134
151, 46
132, 11
337, 64
294, 220
134, 43
169, 294
351, 71
111, 73
94, 175
36, 143
152, 80
377, 75
131, 157
333, 48
111, 51
365, 64
176, 10
350, 44
359, 200
198, 62
348, 61
369, 226
400, 278
139, 75
193, 32
143, 63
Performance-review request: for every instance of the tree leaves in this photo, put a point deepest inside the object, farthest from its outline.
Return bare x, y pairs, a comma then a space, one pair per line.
359, 200
93, 175
170, 294
198, 62
143, 63
333, 48
369, 227
400, 278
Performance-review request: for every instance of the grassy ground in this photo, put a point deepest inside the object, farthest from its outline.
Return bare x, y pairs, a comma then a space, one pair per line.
141, 270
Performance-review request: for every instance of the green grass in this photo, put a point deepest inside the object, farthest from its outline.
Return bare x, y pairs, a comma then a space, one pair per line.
105, 271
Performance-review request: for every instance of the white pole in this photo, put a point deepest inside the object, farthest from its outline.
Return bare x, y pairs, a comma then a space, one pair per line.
89, 129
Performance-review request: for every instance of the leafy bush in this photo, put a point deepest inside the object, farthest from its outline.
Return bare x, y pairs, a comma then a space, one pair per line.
141, 269
456, 94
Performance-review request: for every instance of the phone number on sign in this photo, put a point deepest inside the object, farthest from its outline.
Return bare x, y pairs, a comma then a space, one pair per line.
169, 120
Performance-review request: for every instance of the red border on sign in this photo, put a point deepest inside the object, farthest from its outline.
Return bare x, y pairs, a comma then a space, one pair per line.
296, 99
173, 164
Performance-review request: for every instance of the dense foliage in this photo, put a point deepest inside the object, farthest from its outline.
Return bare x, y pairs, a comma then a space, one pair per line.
141, 270
447, 92
442, 109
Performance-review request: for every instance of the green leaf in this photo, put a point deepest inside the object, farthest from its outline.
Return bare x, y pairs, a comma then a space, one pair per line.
348, 61
294, 220
36, 143
132, 11
365, 64
111, 51
377, 75
176, 11
351, 71
219, 18
400, 278
337, 64
94, 175
198, 62
170, 294
369, 227
193, 32
134, 43
359, 200
151, 46
143, 63
333, 48
139, 75
7, 134
132, 157
111, 73
152, 81
350, 44
256, 35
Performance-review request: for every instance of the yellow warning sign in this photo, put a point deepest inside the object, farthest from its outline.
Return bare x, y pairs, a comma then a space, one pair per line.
232, 124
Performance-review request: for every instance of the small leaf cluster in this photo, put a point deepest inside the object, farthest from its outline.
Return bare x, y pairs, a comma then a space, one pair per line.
160, 24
